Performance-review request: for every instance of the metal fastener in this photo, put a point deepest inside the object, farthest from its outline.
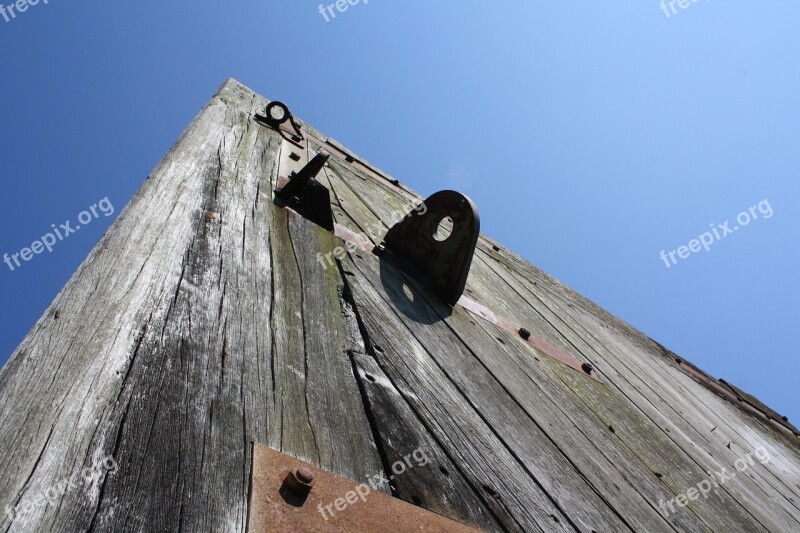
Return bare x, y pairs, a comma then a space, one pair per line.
300, 481
587, 367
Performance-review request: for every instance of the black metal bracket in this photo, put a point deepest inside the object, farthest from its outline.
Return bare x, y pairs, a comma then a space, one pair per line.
276, 114
307, 196
420, 246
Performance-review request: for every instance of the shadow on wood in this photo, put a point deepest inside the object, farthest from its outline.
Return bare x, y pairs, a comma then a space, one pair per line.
407, 298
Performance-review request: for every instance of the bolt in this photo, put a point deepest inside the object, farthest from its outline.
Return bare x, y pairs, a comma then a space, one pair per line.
304, 475
300, 481
524, 333
587, 367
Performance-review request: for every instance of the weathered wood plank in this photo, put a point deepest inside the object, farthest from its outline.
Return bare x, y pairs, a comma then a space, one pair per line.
621, 480
482, 277
617, 370
459, 429
695, 416
438, 485
186, 335
451, 360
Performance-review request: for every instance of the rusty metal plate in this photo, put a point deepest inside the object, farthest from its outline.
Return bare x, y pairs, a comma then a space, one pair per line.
276, 506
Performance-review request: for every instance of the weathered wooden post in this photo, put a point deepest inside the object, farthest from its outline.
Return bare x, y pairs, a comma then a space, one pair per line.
212, 324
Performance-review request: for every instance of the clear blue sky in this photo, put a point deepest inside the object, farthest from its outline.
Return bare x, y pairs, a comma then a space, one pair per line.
592, 135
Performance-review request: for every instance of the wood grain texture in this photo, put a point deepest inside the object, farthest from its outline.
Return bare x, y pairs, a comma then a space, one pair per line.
208, 318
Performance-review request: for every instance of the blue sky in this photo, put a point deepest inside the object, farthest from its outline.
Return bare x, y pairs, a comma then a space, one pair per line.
592, 135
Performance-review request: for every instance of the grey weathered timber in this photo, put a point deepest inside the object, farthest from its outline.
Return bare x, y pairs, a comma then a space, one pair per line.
207, 318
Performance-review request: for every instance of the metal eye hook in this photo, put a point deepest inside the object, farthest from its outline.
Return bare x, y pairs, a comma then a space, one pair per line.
270, 118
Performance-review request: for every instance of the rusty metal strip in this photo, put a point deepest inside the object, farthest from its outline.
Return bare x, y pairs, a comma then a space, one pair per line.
293, 496
726, 391
751, 400
347, 235
541, 345
485, 313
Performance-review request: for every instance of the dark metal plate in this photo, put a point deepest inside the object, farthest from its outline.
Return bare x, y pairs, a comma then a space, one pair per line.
436, 255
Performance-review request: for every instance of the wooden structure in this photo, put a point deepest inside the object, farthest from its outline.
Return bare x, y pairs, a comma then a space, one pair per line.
208, 318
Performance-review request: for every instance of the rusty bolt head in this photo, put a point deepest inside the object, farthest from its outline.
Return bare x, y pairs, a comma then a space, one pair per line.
524, 333
304, 475
301, 480
587, 367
